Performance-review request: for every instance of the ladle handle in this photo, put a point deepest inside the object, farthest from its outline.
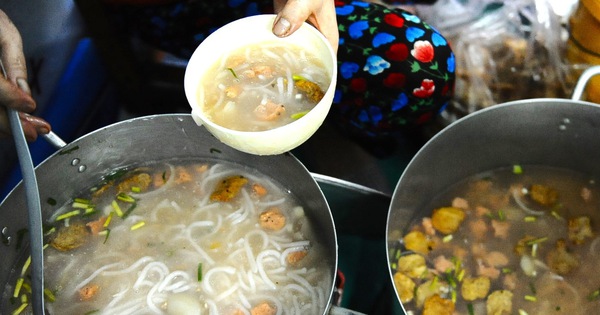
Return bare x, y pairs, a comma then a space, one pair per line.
583, 80
34, 208
54, 140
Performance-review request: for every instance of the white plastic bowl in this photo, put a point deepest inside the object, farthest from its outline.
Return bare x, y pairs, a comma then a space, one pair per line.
243, 32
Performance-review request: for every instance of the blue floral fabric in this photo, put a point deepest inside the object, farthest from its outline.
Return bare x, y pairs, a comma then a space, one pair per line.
396, 72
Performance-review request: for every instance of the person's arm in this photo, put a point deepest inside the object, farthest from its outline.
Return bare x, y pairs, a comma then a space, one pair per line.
14, 89
320, 13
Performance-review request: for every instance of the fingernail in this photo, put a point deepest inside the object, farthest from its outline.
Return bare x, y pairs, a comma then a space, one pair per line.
282, 27
23, 85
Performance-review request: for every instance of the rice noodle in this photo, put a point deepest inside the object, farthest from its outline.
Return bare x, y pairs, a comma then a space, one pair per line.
166, 186
290, 84
206, 285
242, 264
244, 301
272, 203
516, 196
95, 274
131, 268
157, 267
225, 294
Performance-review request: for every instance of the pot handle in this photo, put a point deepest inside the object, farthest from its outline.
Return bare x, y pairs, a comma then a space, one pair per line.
336, 310
583, 80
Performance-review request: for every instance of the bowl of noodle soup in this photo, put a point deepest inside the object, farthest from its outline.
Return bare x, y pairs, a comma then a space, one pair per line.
259, 93
176, 222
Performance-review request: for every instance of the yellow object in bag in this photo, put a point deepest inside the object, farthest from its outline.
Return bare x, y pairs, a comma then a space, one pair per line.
583, 46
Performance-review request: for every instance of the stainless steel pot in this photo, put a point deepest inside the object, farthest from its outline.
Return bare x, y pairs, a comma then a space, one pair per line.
83, 162
551, 132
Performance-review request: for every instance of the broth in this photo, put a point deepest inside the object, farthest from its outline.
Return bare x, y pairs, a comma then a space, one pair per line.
264, 86
185, 237
510, 241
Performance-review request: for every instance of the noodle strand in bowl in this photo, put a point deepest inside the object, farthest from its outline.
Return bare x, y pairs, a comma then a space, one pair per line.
182, 242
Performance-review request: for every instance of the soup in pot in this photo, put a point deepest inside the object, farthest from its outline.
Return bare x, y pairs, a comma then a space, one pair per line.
509, 241
182, 237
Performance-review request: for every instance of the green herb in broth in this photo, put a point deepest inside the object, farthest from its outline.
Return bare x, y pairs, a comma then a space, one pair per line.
108, 212
536, 261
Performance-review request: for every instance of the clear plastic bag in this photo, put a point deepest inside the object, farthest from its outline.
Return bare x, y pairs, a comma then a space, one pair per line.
505, 50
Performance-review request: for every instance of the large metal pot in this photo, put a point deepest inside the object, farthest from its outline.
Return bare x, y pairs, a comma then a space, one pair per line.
83, 162
551, 132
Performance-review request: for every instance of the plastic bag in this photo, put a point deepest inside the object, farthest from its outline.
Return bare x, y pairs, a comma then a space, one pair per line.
504, 51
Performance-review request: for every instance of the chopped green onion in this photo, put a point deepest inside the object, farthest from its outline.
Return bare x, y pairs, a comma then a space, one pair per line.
529, 218
89, 211
532, 288
68, 215
82, 200
129, 210
108, 219
537, 240
50, 296
594, 295
453, 295
434, 282
232, 72
117, 208
447, 238
25, 266
397, 255
556, 215
27, 287
297, 77
501, 215
522, 312
125, 198
136, 189
20, 309
24, 298
199, 272
298, 115
517, 169
106, 234
470, 309
530, 298
18, 287
79, 205
534, 249
92, 312
68, 151
461, 275
506, 270
137, 225
394, 266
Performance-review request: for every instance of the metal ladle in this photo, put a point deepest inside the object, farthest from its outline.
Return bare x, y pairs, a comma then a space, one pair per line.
34, 209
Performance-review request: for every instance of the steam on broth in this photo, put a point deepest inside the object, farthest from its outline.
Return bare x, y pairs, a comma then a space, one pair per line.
519, 241
263, 86
184, 237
